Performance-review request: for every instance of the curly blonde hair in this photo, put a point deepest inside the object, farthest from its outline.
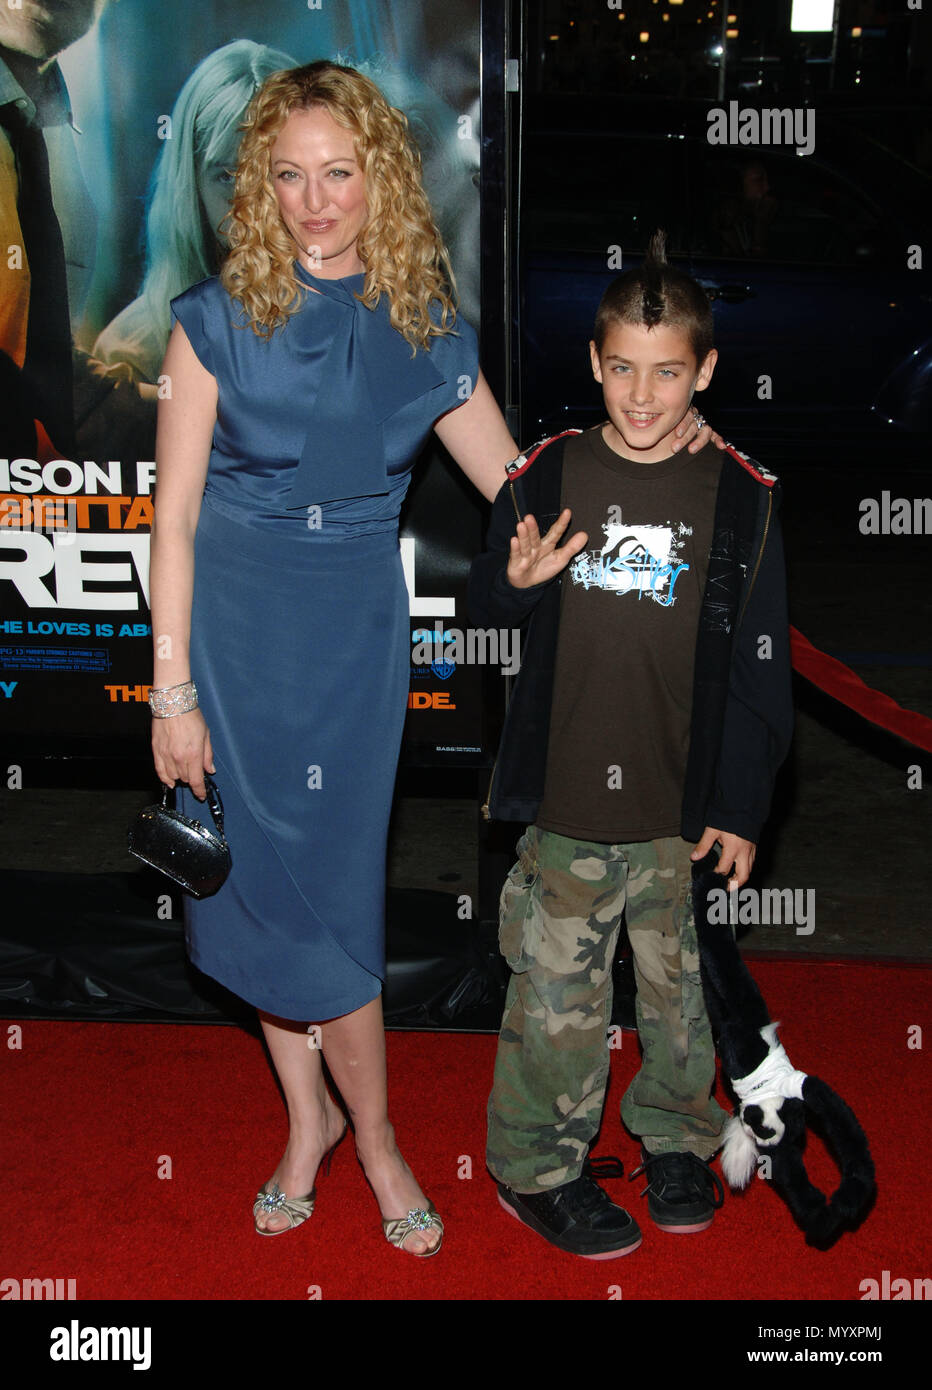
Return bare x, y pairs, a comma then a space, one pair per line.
399, 245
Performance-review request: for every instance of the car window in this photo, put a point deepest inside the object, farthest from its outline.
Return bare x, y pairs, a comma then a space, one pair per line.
766, 205
589, 191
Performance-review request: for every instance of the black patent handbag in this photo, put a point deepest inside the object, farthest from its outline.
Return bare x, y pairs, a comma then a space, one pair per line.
188, 852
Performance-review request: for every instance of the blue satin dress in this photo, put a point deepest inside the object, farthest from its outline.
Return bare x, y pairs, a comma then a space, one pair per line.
300, 638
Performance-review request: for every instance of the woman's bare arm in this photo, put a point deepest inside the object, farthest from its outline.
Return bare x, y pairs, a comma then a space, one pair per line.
186, 419
477, 437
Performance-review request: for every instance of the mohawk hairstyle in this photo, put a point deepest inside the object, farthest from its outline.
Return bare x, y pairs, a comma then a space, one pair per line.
655, 293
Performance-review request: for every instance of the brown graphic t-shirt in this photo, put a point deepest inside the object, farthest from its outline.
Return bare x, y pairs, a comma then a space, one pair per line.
622, 697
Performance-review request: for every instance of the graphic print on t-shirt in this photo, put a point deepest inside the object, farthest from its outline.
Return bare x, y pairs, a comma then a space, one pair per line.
635, 559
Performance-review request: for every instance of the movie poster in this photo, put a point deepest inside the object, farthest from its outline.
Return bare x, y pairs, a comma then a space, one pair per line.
115, 163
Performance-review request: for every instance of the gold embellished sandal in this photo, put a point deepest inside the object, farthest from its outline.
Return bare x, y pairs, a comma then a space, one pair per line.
401, 1226
271, 1198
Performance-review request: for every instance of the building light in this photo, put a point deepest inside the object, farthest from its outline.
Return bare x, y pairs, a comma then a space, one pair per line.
812, 16
731, 33
856, 32
644, 36
665, 18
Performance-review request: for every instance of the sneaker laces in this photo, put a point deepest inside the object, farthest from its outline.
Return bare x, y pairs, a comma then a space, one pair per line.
684, 1171
587, 1195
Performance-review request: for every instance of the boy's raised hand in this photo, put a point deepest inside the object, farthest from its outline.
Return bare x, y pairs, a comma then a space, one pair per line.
535, 559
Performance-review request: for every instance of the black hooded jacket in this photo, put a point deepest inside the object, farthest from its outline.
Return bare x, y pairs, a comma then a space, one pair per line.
742, 708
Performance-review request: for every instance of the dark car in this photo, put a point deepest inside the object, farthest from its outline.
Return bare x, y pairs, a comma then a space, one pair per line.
823, 328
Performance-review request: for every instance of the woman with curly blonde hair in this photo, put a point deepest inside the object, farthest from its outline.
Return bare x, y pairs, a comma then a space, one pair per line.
304, 381
400, 246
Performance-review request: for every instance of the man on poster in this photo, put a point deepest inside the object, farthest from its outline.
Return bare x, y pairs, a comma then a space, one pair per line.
47, 224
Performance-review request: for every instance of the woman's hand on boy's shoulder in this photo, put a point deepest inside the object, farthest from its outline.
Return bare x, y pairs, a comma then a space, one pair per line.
535, 559
694, 428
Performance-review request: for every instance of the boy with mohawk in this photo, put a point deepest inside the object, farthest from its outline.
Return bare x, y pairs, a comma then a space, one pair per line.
650, 716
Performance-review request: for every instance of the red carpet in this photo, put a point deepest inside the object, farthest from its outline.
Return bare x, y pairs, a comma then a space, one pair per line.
90, 1109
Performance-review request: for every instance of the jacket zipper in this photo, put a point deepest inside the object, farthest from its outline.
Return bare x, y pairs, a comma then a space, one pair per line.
486, 813
760, 556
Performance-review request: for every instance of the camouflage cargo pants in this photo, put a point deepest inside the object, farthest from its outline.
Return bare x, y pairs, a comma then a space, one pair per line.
560, 914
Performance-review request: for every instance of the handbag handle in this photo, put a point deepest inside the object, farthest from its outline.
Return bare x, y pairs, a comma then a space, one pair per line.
213, 801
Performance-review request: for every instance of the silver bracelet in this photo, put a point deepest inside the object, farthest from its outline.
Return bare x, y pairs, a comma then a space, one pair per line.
173, 699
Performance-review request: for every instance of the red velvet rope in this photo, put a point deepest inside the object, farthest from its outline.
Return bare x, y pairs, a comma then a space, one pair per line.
842, 684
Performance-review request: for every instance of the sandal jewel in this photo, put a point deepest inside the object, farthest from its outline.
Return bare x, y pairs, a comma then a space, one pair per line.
418, 1220
272, 1201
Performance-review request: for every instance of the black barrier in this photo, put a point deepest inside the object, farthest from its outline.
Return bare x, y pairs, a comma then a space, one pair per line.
110, 947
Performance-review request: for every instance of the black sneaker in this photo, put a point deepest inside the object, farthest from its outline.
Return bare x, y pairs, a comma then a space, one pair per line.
577, 1217
683, 1193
